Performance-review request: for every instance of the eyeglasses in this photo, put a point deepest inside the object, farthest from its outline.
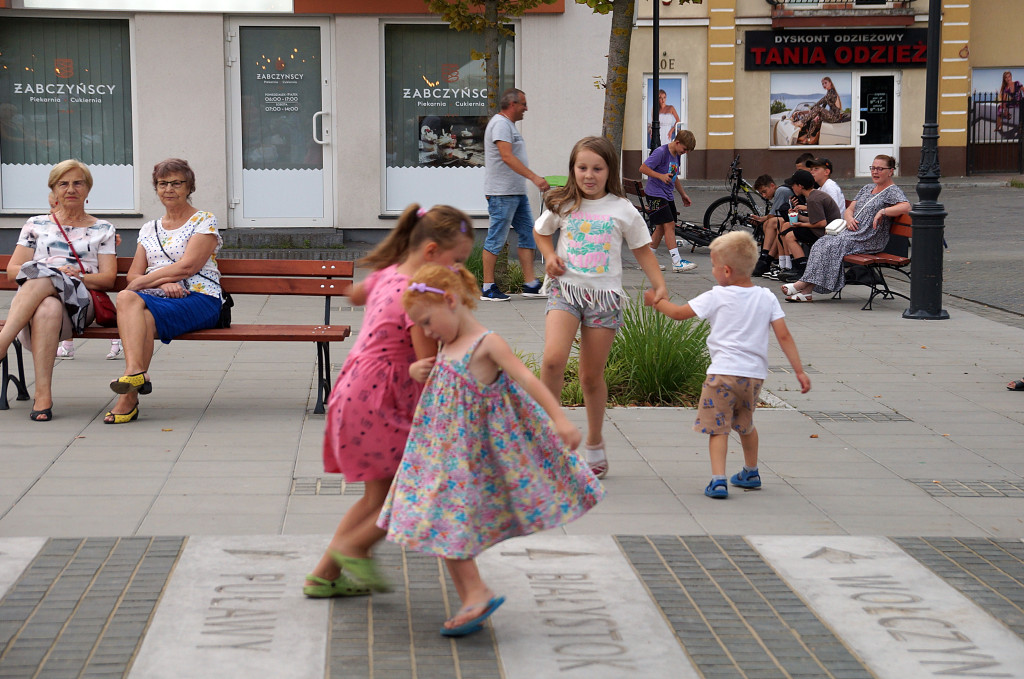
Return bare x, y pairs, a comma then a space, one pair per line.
174, 185
875, 168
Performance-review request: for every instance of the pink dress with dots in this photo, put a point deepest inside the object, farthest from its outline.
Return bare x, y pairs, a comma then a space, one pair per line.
371, 406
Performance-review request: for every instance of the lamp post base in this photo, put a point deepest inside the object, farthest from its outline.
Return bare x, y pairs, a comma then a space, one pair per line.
925, 315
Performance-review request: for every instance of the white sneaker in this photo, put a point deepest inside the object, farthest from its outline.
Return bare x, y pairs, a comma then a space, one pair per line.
115, 350
683, 265
66, 350
661, 267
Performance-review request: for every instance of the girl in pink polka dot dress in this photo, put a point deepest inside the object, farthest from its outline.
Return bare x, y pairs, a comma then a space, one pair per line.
372, 403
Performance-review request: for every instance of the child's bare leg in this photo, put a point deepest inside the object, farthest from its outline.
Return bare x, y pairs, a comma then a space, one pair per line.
357, 531
559, 332
595, 344
472, 590
659, 230
749, 442
718, 446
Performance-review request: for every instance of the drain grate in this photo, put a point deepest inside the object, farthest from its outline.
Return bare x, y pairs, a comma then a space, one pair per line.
954, 488
788, 370
325, 485
830, 416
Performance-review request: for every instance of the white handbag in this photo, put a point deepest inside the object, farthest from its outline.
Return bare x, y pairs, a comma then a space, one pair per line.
835, 227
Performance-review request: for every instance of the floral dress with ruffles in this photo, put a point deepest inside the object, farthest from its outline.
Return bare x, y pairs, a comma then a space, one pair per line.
482, 464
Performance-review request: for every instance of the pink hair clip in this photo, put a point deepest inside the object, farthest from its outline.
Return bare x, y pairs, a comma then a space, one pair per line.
422, 211
423, 287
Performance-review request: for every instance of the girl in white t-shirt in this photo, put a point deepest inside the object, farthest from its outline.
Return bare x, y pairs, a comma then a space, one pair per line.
585, 276
740, 314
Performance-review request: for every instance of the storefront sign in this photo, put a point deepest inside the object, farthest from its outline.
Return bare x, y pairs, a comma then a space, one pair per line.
786, 50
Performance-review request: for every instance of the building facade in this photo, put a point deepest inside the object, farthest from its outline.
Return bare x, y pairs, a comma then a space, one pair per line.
748, 76
306, 114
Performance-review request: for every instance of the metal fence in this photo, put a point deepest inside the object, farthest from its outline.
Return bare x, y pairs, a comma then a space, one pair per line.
994, 140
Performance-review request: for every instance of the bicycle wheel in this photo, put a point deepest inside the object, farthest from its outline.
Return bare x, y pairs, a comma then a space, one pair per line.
725, 214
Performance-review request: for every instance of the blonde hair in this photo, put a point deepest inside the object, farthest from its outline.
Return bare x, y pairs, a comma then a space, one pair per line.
565, 199
65, 166
736, 249
456, 279
441, 224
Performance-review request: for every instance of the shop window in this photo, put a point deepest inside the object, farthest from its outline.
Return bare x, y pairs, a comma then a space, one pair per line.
435, 113
65, 92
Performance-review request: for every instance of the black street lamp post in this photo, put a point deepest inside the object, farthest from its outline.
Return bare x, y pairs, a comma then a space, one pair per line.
929, 215
655, 141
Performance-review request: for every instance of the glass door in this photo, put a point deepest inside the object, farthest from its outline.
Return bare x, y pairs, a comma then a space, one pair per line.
672, 112
281, 131
876, 118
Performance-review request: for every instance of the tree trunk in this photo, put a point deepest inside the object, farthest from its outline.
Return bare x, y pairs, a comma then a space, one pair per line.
618, 68
491, 55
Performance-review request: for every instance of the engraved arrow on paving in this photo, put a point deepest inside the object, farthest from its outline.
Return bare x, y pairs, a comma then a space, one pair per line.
836, 555
263, 554
536, 554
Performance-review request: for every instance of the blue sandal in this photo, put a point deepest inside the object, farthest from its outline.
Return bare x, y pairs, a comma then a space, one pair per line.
477, 623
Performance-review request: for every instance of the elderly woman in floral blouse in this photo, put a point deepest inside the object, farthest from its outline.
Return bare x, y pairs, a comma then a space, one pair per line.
173, 284
53, 301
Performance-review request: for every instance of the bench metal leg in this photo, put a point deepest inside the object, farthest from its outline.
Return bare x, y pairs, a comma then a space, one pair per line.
19, 380
323, 376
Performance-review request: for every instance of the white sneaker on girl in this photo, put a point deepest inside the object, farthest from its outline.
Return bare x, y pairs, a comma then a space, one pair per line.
66, 349
115, 350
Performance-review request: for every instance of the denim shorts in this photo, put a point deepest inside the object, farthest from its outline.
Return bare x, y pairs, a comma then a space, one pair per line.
505, 212
590, 316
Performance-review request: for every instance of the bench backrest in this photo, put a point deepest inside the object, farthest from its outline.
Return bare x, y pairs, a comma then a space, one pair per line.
311, 277
899, 237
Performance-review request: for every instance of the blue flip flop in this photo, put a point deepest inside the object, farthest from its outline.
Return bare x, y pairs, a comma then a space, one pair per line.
476, 624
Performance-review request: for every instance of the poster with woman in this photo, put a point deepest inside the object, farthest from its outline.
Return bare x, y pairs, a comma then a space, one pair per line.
671, 111
997, 95
810, 109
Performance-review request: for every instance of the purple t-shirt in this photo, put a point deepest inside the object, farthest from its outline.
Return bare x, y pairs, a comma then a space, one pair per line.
662, 161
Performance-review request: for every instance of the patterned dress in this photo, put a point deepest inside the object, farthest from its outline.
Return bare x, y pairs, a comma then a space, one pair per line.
825, 110
482, 465
51, 252
374, 398
825, 261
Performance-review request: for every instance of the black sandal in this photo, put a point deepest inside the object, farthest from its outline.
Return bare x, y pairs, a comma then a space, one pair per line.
44, 415
1016, 385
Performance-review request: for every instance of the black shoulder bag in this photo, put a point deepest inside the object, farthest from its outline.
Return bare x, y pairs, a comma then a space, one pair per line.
226, 302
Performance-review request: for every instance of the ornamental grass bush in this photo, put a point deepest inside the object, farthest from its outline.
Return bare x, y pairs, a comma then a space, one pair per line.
654, 361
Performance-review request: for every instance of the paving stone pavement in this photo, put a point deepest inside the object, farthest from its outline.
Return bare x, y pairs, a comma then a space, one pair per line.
908, 432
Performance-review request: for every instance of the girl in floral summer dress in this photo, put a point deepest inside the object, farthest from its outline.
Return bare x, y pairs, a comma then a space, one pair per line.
373, 400
486, 458
594, 217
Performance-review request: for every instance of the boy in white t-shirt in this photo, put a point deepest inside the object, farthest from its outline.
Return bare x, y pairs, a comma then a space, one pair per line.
740, 315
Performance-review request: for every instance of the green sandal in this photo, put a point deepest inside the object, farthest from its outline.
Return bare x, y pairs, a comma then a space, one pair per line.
365, 570
325, 589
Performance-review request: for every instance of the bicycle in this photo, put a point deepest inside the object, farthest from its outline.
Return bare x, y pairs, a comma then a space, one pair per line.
731, 212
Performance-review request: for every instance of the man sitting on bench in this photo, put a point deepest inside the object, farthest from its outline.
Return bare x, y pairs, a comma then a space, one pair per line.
819, 210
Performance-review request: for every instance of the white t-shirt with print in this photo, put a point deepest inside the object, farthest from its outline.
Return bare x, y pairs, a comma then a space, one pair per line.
590, 244
152, 236
740, 320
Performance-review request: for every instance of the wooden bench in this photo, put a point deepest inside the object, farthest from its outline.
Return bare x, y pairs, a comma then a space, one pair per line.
895, 257
306, 277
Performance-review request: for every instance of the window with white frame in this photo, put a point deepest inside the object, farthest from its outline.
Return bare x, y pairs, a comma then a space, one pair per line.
65, 92
435, 113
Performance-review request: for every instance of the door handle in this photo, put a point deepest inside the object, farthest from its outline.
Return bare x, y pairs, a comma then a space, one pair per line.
863, 124
321, 141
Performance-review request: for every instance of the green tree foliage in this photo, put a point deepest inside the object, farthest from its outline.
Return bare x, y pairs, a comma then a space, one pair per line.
490, 19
